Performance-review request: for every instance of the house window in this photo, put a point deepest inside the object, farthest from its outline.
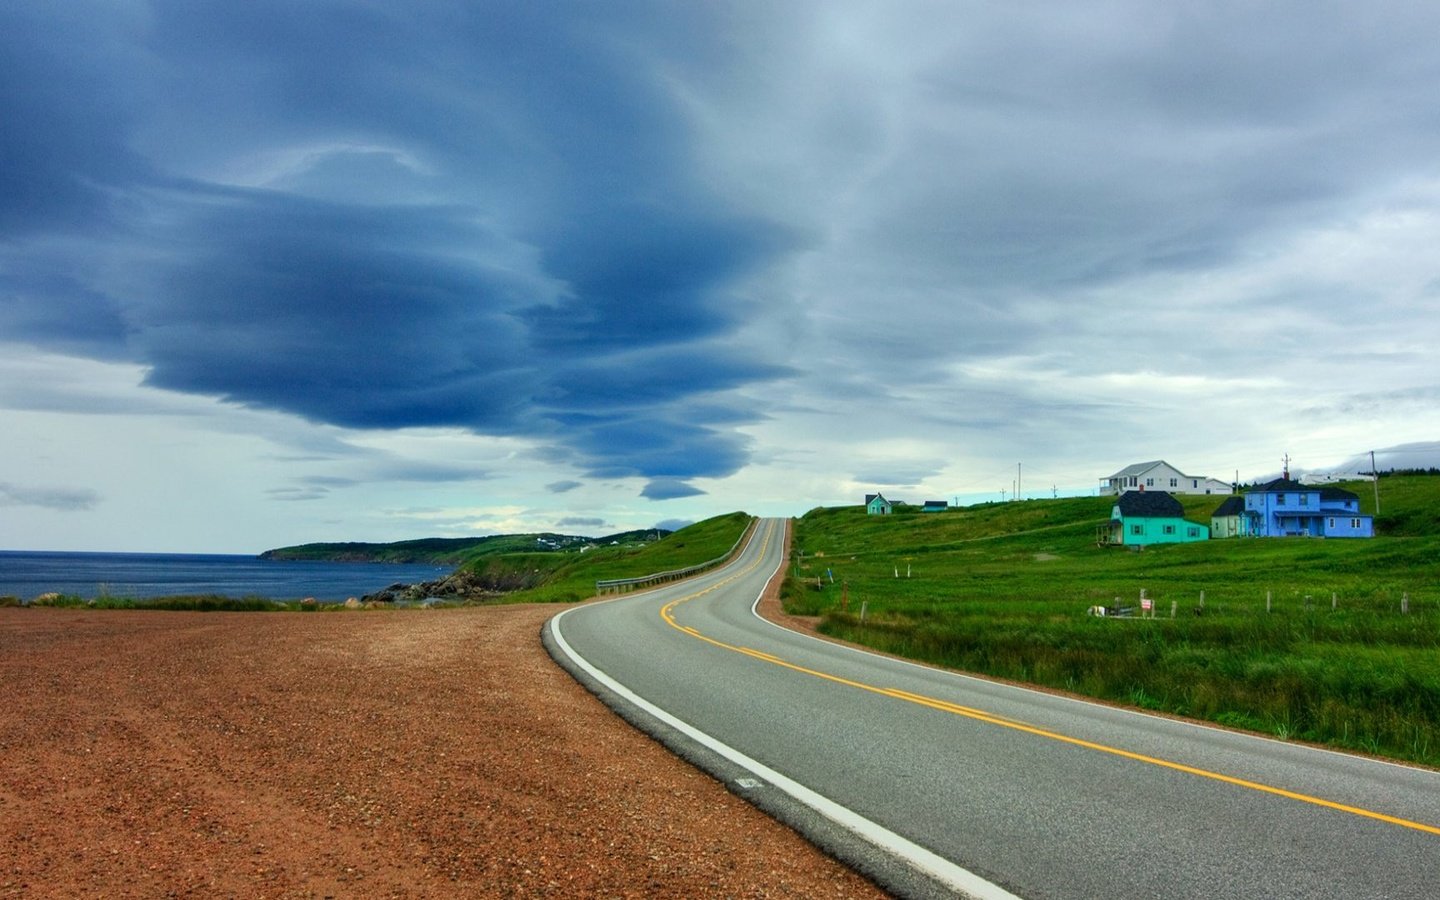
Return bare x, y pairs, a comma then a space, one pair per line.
1193, 531
1304, 499
1174, 482
1355, 523
1169, 529
1330, 523
1195, 483
1149, 482
1132, 481
1137, 529
1279, 499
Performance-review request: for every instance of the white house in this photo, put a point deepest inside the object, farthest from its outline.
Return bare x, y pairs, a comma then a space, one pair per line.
1158, 475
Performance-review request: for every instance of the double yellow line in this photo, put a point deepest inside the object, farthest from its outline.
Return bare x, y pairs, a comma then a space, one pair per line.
667, 612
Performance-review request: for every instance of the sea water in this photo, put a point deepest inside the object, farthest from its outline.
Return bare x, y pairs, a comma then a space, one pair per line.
27, 574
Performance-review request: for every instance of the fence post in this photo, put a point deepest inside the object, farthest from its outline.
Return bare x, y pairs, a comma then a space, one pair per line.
1267, 601
1333, 601
1202, 599
863, 604
1405, 603
1173, 604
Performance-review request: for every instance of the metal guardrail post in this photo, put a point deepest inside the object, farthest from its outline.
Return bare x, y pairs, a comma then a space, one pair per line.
621, 585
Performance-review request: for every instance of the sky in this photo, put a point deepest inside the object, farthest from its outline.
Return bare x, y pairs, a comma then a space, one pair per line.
277, 272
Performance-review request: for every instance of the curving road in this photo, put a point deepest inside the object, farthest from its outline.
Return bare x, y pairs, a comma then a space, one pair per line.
936, 783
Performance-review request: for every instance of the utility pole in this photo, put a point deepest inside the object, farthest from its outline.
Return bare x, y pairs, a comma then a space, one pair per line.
1017, 480
1002, 495
1375, 476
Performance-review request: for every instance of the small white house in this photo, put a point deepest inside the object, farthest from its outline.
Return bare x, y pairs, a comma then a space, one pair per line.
1158, 475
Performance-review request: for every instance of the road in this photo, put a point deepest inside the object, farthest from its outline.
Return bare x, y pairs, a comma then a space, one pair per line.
936, 783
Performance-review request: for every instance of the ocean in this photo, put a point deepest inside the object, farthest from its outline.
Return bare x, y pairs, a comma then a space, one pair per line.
26, 575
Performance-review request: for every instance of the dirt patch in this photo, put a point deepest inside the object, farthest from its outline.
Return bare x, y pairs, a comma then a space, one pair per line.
423, 753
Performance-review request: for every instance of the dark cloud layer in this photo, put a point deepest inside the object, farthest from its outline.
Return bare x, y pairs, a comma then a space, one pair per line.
54, 498
482, 218
608, 228
581, 522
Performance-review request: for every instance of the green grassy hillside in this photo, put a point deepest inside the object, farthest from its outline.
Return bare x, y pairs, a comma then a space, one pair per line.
1004, 589
451, 551
571, 575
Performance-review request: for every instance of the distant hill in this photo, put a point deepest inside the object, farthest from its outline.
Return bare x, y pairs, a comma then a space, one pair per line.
457, 551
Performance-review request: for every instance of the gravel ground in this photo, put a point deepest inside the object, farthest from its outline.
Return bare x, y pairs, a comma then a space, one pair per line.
357, 754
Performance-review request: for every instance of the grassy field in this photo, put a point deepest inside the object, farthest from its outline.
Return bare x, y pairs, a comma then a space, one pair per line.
1004, 588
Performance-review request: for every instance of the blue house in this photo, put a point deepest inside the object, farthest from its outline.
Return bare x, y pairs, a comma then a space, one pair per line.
1285, 508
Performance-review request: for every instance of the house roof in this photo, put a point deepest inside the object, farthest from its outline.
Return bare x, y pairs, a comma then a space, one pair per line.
1234, 505
1149, 505
1137, 468
1332, 493
870, 498
937, 503
1281, 485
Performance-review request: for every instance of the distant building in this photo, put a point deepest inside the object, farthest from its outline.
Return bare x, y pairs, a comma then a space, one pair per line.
1285, 508
1158, 475
877, 505
935, 506
1332, 477
1140, 518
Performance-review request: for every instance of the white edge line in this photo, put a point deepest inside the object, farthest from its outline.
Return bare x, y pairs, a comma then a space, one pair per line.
1084, 701
930, 863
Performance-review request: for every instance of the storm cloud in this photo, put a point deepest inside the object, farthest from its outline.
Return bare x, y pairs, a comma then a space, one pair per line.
320, 218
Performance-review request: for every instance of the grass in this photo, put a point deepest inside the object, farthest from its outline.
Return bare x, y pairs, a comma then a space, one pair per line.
571, 576
1004, 589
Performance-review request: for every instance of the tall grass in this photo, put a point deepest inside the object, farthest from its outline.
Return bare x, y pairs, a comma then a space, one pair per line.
195, 603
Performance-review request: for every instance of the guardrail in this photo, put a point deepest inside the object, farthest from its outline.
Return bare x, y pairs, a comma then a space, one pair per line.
623, 585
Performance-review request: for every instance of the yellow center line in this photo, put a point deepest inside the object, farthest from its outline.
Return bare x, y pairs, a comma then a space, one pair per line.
668, 614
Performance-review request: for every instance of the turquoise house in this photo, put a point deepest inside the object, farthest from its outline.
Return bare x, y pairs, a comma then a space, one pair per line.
1140, 518
876, 505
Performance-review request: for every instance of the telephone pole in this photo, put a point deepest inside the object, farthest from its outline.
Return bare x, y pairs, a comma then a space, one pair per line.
1375, 477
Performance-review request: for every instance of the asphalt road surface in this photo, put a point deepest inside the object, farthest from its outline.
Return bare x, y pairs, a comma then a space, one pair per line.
940, 784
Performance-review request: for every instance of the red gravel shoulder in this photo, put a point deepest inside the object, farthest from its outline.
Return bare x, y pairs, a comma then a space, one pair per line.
432, 753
